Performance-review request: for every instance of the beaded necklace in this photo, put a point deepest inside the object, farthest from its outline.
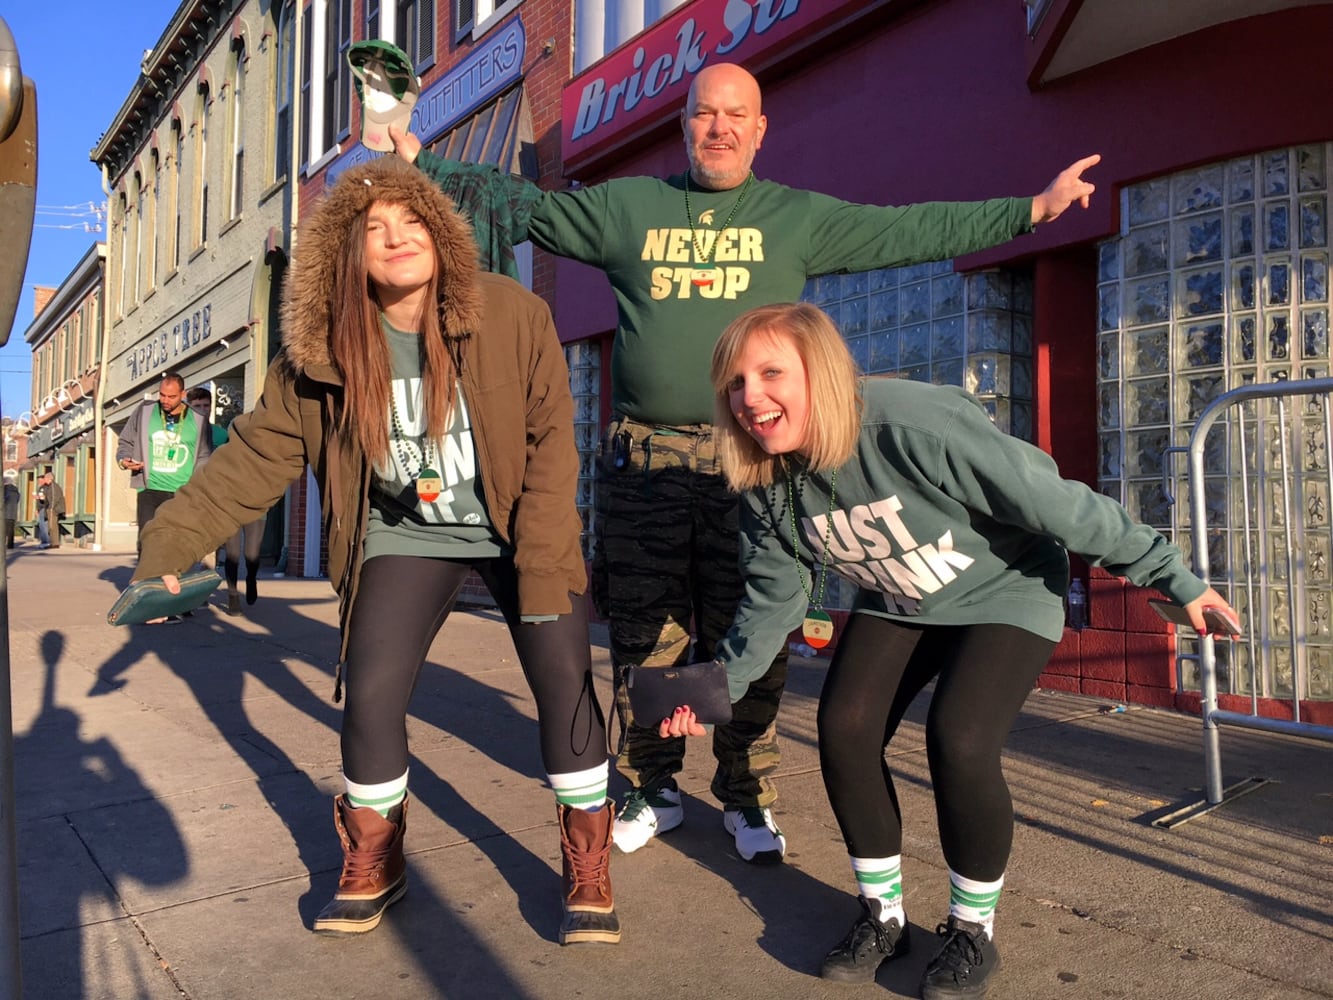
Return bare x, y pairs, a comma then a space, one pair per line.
428, 483
705, 273
818, 624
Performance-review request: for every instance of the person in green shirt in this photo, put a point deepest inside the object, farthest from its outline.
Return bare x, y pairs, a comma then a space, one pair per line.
162, 444
249, 538
956, 535
685, 256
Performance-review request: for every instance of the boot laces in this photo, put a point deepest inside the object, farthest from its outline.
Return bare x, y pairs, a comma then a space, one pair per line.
960, 953
365, 864
588, 867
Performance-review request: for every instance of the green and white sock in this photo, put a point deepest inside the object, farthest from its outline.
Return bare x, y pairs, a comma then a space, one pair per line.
584, 790
974, 901
381, 797
882, 879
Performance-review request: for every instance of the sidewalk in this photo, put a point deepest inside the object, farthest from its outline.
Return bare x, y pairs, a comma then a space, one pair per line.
176, 837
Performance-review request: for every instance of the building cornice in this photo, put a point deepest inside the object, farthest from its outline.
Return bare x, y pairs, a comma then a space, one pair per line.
85, 277
164, 71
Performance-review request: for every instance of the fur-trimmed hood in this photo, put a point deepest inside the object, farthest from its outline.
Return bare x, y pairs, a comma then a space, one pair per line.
307, 300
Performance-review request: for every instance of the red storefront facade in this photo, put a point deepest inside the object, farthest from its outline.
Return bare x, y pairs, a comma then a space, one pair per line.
902, 101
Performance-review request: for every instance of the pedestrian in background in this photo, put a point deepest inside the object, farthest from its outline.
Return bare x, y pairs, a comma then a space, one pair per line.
50, 509
12, 498
162, 444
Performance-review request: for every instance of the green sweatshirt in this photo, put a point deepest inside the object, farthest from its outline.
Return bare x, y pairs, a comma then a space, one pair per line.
636, 230
940, 519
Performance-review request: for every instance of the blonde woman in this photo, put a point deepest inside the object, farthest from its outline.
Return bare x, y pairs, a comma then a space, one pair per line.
956, 535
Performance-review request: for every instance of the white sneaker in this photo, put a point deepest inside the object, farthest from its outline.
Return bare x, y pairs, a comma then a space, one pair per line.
758, 839
647, 813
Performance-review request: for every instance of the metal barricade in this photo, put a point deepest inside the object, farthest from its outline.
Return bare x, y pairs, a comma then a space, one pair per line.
1261, 531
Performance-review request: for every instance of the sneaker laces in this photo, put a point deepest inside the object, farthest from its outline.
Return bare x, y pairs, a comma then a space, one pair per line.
960, 953
857, 938
635, 803
754, 817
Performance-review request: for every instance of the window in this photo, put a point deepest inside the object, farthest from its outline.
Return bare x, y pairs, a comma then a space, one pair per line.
95, 326
1036, 10
307, 68
337, 74
372, 19
471, 15
236, 162
88, 350
414, 32
135, 226
201, 168
174, 195
600, 27
149, 223
120, 222
500, 133
282, 92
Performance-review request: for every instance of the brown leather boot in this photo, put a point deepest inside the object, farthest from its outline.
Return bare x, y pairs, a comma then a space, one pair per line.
585, 844
374, 875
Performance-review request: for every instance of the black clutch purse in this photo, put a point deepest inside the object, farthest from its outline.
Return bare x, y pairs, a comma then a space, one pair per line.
148, 599
655, 692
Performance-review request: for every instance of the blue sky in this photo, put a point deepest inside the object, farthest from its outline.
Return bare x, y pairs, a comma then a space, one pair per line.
83, 56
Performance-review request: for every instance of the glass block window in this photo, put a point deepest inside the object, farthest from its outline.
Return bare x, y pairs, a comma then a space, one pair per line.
584, 359
930, 323
1220, 278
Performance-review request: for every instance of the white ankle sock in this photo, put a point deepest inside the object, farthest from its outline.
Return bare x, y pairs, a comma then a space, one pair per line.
584, 790
381, 797
882, 879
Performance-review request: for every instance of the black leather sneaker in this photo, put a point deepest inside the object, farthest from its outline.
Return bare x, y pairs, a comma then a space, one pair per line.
868, 945
964, 964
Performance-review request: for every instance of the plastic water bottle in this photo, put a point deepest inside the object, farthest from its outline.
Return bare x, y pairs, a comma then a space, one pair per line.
1078, 605
801, 649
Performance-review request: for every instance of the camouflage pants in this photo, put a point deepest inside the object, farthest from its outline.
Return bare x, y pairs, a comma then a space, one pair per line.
667, 558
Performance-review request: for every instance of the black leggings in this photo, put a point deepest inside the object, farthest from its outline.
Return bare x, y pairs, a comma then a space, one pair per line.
400, 605
984, 674
248, 539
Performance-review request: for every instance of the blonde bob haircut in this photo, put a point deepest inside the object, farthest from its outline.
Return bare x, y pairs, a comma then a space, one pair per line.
832, 380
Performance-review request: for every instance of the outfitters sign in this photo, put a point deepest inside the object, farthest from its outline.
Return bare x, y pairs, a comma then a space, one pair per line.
643, 83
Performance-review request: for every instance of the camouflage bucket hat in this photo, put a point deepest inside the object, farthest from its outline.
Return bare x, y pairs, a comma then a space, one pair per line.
386, 87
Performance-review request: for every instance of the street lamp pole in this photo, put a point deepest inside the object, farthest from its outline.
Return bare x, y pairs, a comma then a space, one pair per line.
18, 200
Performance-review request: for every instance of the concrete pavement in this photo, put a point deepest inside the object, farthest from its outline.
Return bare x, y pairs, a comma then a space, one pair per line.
176, 839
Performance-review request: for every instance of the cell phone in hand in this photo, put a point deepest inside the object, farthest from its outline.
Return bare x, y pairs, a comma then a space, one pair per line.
1217, 620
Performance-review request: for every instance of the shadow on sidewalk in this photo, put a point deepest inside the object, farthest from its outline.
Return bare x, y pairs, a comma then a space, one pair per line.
92, 771
217, 659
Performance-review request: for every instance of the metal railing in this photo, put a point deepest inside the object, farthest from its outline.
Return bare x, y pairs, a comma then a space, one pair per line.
1282, 540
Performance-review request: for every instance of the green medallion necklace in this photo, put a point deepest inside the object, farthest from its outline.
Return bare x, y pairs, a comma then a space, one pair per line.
818, 624
704, 273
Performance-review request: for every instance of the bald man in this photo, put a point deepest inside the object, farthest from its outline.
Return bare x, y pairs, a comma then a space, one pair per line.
685, 256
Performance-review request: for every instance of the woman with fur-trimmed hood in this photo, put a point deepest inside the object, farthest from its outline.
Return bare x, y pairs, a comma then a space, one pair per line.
431, 401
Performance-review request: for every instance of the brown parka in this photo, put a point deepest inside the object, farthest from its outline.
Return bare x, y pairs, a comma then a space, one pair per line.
514, 379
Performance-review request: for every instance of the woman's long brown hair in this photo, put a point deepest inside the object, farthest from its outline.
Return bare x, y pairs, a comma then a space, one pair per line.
361, 352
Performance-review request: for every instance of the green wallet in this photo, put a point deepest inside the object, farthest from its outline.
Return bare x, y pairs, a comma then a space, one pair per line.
148, 599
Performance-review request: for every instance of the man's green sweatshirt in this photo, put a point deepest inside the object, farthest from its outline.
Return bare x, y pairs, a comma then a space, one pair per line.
636, 230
